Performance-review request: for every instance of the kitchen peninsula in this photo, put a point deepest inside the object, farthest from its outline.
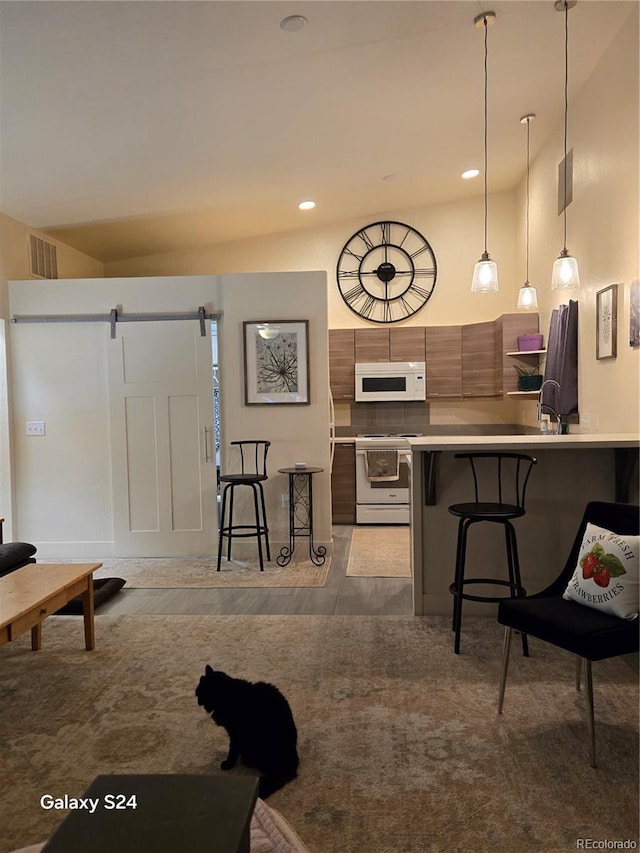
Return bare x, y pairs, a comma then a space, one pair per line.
571, 470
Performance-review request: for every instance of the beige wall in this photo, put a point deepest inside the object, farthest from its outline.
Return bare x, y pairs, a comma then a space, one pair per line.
298, 433
14, 258
455, 232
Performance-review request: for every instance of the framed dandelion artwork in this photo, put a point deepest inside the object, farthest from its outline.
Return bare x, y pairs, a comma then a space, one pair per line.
607, 321
276, 362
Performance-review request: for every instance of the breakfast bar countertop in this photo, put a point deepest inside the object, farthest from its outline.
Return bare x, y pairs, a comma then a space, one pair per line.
591, 467
524, 442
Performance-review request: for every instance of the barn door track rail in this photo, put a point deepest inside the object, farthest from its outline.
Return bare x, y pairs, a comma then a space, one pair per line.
116, 316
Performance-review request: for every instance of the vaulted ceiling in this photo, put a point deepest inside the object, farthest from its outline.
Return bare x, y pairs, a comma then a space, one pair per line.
129, 128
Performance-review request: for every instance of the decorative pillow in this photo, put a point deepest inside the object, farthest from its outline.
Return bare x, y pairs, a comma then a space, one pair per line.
607, 574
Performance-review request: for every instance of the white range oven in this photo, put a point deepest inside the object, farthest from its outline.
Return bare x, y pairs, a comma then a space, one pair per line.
383, 478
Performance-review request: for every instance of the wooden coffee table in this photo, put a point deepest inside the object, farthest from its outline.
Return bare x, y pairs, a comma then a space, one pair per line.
30, 594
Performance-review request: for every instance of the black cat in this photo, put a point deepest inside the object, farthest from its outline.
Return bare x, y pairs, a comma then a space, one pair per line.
259, 723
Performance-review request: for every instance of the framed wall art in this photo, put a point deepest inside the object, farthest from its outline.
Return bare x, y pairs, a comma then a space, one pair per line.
276, 362
607, 321
634, 314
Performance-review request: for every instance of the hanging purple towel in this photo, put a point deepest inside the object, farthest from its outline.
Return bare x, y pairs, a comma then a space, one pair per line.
562, 360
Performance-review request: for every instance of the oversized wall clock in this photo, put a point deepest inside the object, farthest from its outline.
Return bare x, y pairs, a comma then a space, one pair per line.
386, 272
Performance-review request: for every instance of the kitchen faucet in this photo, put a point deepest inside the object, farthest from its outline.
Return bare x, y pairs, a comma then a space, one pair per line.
546, 405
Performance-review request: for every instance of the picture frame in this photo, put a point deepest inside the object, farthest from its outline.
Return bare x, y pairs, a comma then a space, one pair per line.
607, 322
276, 362
634, 314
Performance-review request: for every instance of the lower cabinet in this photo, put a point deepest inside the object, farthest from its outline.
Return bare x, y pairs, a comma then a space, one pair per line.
343, 484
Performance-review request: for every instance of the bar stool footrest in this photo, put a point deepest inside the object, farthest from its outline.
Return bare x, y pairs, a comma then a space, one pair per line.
467, 596
251, 529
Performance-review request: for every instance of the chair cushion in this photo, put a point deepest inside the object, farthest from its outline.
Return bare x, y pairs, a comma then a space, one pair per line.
584, 631
607, 574
15, 554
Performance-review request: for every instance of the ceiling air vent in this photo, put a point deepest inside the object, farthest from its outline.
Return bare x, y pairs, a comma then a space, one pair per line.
43, 258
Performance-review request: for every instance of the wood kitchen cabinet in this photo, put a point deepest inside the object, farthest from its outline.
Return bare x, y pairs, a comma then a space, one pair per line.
479, 374
462, 361
342, 377
407, 344
443, 354
343, 484
372, 345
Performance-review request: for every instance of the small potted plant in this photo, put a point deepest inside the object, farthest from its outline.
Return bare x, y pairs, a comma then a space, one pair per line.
528, 378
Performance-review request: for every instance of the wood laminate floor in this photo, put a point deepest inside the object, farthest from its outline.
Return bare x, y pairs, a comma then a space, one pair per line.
341, 596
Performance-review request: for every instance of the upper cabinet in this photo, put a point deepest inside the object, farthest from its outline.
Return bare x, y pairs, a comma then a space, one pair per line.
407, 344
479, 360
372, 345
443, 354
461, 361
342, 377
393, 344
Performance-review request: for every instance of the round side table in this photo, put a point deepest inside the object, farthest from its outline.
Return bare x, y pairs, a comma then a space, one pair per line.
301, 514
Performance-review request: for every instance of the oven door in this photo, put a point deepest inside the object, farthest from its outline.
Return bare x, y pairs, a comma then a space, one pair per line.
382, 491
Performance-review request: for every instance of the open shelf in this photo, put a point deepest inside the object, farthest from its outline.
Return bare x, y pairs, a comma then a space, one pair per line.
528, 352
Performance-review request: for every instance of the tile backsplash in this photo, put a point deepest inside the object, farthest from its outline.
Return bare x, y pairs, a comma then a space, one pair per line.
421, 417
389, 417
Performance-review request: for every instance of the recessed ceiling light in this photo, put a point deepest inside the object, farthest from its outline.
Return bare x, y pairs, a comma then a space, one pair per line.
470, 173
293, 23
307, 205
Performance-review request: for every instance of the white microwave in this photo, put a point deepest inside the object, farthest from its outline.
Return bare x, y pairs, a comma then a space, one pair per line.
390, 381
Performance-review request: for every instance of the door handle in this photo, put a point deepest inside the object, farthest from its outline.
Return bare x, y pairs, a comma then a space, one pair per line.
207, 458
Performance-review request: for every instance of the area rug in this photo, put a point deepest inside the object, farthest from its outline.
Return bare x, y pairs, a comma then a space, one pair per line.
401, 748
200, 573
380, 552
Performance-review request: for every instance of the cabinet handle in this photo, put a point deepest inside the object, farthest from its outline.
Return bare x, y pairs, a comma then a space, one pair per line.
207, 458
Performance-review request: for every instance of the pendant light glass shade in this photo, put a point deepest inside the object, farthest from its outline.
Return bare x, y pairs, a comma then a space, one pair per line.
565, 275
485, 272
527, 296
485, 275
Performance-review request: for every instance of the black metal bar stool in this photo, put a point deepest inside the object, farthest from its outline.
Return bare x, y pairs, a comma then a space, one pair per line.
505, 477
253, 472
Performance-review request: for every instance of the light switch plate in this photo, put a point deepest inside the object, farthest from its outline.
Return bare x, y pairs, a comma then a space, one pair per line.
34, 428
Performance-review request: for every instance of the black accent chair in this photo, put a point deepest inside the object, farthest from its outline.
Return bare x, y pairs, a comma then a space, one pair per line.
586, 632
503, 477
253, 472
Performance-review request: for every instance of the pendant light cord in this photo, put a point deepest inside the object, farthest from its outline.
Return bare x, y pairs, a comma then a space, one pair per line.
528, 127
566, 112
485, 135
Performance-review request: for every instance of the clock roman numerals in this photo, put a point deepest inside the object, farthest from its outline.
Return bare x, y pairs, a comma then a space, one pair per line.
365, 239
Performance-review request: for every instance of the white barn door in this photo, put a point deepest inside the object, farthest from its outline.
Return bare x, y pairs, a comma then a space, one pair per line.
162, 444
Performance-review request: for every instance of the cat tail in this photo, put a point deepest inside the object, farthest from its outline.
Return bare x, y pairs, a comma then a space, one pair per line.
270, 784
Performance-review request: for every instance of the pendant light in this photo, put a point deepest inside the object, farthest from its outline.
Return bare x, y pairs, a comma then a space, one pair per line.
485, 272
565, 274
527, 297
